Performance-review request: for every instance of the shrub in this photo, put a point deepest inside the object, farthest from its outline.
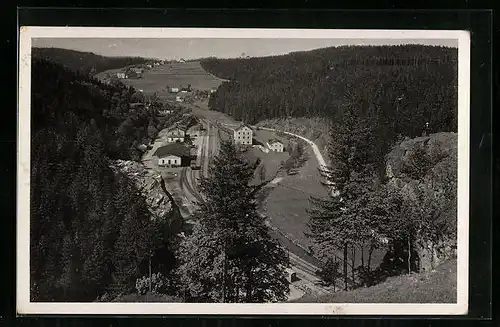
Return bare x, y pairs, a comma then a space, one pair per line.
158, 284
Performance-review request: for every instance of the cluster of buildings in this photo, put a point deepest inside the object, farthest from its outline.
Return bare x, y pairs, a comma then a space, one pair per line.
243, 135
135, 72
180, 92
177, 152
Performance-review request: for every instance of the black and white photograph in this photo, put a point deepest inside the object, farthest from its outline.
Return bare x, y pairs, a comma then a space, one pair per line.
233, 171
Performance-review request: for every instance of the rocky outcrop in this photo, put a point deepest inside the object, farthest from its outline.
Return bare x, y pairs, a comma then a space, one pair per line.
428, 165
148, 182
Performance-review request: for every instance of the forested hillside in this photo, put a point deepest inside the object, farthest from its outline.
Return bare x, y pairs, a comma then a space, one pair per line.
85, 62
91, 231
372, 99
411, 84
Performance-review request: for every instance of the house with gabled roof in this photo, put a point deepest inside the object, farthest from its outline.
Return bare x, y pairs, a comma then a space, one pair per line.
243, 134
275, 145
173, 155
176, 133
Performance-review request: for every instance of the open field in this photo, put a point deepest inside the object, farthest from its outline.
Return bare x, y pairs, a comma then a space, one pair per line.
159, 78
270, 160
286, 205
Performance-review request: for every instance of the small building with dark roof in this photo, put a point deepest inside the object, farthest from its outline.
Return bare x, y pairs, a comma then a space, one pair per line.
173, 155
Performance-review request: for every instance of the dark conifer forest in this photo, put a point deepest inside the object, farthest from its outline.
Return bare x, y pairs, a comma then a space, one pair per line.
407, 85
91, 231
85, 62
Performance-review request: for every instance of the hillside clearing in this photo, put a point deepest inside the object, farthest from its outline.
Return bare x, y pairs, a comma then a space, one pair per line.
159, 78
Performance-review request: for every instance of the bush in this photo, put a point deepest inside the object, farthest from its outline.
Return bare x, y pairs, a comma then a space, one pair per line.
158, 284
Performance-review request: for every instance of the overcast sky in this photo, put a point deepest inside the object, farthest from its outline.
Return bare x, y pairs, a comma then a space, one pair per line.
189, 48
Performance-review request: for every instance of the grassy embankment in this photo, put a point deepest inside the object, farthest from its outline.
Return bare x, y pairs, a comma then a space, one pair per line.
438, 286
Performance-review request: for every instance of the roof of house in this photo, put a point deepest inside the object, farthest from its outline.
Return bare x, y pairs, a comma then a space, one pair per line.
176, 126
196, 126
272, 141
176, 149
241, 126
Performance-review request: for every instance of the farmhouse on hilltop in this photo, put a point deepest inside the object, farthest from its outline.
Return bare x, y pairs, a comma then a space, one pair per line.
275, 145
176, 134
243, 135
172, 155
120, 75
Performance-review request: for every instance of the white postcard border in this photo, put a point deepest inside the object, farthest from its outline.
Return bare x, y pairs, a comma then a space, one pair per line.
24, 306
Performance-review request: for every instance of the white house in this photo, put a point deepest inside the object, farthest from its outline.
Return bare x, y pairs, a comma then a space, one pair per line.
120, 75
275, 145
170, 160
243, 135
174, 90
178, 99
175, 134
172, 155
149, 66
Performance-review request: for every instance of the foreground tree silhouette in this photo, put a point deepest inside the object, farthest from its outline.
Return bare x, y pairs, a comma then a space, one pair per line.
230, 256
341, 225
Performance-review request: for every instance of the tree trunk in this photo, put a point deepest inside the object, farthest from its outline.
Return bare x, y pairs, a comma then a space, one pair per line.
370, 252
409, 254
353, 261
363, 254
150, 276
248, 288
345, 266
224, 276
335, 279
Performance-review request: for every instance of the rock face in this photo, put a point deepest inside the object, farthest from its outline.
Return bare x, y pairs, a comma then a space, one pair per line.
149, 184
428, 165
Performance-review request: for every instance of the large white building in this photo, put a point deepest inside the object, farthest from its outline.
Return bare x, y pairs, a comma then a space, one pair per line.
243, 135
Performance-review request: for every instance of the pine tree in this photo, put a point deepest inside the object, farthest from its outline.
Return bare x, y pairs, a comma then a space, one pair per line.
343, 222
230, 257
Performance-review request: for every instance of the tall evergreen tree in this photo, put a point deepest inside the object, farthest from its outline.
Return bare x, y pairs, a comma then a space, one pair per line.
341, 224
230, 256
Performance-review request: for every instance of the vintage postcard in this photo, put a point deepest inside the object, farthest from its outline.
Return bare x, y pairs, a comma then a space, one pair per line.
242, 171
